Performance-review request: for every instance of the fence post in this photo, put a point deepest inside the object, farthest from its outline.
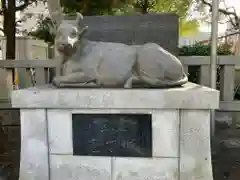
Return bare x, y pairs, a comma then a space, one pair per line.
6, 84
227, 80
227, 84
205, 75
22, 54
40, 76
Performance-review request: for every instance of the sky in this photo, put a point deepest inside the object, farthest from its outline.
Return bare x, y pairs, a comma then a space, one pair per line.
221, 27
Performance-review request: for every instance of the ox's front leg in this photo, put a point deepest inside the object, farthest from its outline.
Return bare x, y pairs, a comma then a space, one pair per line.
77, 79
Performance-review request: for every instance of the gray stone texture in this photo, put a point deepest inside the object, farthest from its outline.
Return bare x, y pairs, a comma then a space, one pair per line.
110, 168
165, 133
67, 167
161, 28
113, 64
180, 122
195, 149
145, 169
59, 142
190, 96
165, 130
59, 119
34, 145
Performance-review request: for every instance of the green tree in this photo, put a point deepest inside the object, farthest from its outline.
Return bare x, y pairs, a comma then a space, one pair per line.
121, 7
91, 7
182, 8
8, 11
188, 27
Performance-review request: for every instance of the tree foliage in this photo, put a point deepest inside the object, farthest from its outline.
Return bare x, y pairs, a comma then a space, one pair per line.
43, 31
205, 50
228, 14
91, 7
188, 25
8, 11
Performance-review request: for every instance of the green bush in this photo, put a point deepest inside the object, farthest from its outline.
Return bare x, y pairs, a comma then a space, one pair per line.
203, 50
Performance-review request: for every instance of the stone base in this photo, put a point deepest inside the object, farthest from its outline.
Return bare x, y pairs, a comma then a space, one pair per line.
180, 134
107, 168
181, 148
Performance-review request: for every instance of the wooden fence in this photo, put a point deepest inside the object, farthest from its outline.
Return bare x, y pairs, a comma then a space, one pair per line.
227, 75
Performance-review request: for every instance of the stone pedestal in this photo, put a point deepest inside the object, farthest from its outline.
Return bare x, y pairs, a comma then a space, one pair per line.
180, 134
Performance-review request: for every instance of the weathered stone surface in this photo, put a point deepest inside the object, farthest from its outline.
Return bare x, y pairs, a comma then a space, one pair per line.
67, 167
137, 29
190, 96
195, 150
145, 168
34, 148
165, 130
111, 64
60, 142
165, 133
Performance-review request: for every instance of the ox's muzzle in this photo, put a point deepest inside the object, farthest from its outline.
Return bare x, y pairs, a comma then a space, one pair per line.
66, 49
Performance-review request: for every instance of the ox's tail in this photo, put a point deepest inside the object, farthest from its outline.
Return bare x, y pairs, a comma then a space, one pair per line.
160, 83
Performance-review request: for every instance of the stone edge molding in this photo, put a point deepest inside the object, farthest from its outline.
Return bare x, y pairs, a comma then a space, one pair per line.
190, 96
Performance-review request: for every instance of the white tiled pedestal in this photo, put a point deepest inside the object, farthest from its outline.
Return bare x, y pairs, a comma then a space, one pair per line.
180, 133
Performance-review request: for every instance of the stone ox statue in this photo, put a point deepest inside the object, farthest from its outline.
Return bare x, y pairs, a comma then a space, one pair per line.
114, 65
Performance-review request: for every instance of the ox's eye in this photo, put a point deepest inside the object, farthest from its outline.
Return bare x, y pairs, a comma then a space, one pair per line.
73, 34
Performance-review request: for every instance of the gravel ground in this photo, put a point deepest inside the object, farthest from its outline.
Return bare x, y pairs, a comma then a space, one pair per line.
226, 155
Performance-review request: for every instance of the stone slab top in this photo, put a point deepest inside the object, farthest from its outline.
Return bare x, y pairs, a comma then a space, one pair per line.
189, 96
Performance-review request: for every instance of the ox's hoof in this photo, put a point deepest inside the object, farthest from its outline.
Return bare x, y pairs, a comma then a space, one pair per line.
56, 82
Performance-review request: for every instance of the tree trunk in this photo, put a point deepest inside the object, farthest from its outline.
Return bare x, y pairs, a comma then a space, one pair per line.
85, 7
10, 30
145, 7
55, 11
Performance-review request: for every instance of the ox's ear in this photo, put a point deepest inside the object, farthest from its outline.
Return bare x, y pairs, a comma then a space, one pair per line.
79, 19
81, 27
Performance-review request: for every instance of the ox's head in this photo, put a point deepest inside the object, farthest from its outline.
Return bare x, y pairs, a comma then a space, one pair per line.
68, 36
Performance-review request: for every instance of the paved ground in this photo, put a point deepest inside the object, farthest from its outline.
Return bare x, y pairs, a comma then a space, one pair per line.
226, 154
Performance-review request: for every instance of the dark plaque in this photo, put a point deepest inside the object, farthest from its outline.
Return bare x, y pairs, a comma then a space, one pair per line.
125, 135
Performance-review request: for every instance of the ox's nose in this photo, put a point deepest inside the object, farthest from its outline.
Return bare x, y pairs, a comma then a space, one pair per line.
64, 47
